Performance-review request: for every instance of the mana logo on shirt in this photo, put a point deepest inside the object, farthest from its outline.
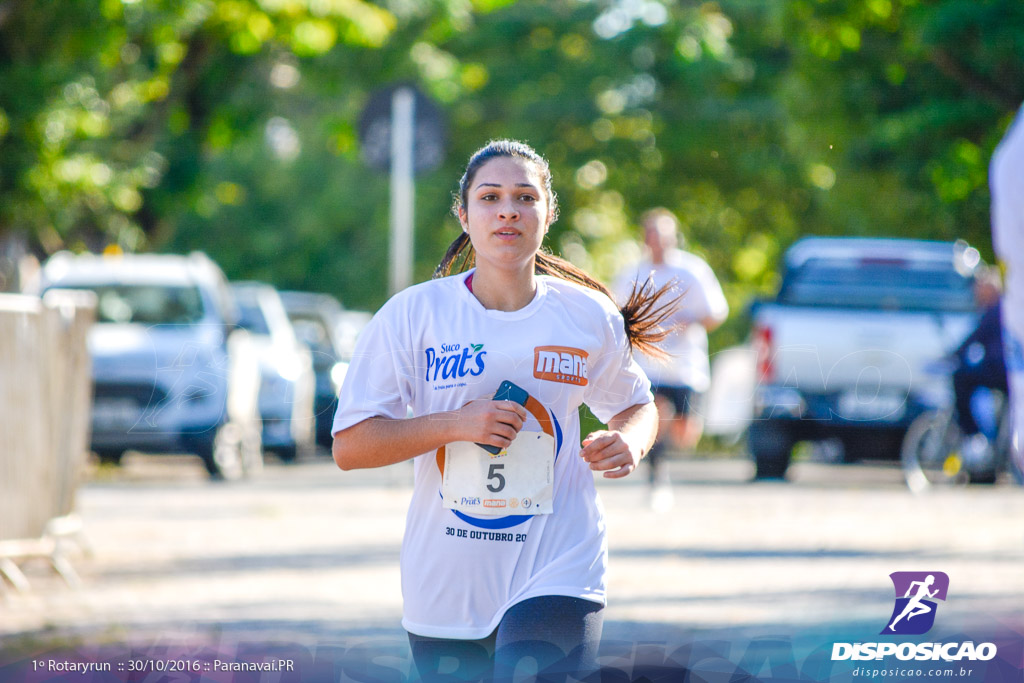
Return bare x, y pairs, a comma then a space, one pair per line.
454, 361
560, 364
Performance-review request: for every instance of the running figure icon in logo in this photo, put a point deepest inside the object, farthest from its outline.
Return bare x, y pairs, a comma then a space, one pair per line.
916, 589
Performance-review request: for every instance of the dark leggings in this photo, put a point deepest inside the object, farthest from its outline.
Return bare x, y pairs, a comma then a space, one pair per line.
558, 634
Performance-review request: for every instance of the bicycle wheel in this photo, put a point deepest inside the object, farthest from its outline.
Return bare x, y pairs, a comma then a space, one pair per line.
1015, 465
930, 453
1009, 456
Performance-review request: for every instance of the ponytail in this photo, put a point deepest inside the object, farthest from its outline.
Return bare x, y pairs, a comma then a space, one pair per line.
644, 313
646, 309
460, 247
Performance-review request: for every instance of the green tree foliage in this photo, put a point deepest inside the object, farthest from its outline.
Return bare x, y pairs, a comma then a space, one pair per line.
106, 103
634, 107
231, 125
896, 107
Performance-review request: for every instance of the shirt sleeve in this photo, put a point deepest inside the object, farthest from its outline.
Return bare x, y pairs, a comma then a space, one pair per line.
714, 305
379, 378
614, 380
1007, 167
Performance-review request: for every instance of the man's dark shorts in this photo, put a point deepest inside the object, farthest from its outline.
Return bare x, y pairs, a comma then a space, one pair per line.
683, 399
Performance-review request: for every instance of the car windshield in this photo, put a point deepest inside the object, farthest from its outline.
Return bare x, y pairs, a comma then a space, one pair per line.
310, 328
146, 304
251, 318
888, 284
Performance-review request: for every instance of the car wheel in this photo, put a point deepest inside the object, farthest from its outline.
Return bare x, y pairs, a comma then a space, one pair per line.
110, 456
770, 446
325, 427
252, 451
987, 476
222, 455
287, 454
295, 452
871, 446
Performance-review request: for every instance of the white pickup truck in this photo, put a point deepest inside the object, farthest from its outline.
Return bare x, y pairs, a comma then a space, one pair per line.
842, 350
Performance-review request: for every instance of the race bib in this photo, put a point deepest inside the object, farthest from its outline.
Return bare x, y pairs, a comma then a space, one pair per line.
515, 481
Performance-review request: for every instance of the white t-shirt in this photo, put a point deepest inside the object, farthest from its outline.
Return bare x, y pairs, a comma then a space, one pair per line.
433, 348
1006, 178
1007, 183
687, 344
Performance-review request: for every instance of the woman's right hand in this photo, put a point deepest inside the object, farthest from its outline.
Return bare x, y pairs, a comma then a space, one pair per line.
490, 422
379, 441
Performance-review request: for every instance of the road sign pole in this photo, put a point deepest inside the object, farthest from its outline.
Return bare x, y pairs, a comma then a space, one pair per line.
403, 189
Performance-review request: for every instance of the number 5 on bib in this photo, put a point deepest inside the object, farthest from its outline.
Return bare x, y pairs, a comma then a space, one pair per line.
515, 481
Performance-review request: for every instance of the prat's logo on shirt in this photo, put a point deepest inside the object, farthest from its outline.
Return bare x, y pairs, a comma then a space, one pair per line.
563, 364
454, 361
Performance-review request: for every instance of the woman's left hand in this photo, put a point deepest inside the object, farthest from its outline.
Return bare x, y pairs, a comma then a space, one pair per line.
611, 453
617, 450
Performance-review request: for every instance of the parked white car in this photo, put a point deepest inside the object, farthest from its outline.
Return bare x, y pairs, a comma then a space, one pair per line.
288, 386
171, 373
318, 320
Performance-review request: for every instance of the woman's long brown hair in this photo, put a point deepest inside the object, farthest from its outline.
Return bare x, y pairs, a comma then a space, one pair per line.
645, 311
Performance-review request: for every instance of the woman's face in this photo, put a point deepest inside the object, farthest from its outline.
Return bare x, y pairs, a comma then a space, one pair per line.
506, 213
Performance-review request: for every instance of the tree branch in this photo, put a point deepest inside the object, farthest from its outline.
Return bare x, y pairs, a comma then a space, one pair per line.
974, 82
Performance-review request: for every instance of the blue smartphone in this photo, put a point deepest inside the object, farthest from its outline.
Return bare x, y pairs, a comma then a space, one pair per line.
507, 391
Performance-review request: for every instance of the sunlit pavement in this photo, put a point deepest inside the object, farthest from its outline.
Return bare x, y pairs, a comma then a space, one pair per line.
308, 554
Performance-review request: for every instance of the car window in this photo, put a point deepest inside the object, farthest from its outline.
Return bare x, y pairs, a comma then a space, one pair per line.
146, 304
310, 329
251, 318
889, 284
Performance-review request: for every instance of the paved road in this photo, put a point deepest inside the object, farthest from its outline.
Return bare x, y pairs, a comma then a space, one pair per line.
309, 554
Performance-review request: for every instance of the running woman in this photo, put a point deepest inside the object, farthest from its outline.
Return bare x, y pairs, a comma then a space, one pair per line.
504, 553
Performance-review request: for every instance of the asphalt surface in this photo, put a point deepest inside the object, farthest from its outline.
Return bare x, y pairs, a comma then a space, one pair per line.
307, 554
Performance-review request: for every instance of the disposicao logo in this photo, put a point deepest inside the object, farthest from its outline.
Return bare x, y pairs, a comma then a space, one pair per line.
916, 593
914, 614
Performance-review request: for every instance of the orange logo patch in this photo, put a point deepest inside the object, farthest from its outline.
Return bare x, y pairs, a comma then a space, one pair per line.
560, 364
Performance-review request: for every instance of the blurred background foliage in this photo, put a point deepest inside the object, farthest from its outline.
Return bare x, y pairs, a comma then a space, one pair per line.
231, 126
